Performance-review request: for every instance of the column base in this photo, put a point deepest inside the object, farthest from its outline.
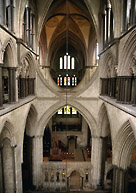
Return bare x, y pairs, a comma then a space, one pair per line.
1, 108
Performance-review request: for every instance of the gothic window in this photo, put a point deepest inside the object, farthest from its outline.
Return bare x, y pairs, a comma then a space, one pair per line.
28, 27
67, 110
108, 24
67, 62
129, 14
7, 13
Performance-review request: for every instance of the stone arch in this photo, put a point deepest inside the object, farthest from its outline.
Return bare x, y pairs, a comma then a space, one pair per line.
104, 121
7, 158
31, 120
69, 172
128, 55
8, 50
109, 67
82, 110
123, 146
7, 132
27, 67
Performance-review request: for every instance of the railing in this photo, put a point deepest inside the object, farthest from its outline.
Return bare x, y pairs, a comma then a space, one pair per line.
123, 88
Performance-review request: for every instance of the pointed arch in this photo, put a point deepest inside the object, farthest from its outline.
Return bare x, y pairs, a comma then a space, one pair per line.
104, 121
7, 133
108, 69
31, 120
51, 111
128, 52
123, 146
28, 58
69, 172
9, 48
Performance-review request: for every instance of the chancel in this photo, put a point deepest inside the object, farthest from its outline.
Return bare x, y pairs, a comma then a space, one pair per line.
67, 96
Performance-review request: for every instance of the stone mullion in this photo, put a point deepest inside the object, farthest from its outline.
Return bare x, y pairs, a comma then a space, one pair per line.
12, 84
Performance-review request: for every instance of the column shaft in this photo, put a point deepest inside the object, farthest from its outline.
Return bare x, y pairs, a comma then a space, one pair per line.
28, 25
1, 88
12, 84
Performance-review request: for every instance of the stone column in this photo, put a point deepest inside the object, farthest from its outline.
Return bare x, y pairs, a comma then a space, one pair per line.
119, 180
37, 160
1, 172
134, 92
9, 183
12, 84
26, 86
22, 87
113, 87
31, 86
32, 26
85, 132
28, 25
96, 159
1, 88
10, 15
128, 89
103, 159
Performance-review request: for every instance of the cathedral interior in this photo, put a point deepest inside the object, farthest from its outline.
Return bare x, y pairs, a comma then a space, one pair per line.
67, 96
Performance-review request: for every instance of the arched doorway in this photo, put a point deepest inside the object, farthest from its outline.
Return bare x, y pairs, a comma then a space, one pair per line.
75, 180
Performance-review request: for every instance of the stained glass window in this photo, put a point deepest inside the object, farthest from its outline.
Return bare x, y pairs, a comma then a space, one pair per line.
65, 62
65, 81
73, 63
61, 63
74, 111
68, 81
60, 112
67, 110
58, 81
75, 81
68, 62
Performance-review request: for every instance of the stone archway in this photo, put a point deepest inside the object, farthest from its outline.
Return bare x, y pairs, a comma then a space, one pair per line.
7, 160
75, 180
123, 147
